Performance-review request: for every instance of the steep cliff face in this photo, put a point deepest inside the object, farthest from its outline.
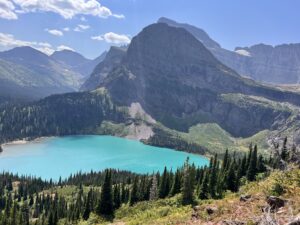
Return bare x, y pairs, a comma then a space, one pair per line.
110, 61
278, 64
264, 63
180, 83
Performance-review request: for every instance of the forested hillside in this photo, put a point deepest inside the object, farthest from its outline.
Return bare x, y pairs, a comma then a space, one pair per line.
74, 113
114, 196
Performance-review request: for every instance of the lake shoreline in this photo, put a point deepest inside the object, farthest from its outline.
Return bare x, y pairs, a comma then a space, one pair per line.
43, 138
89, 152
26, 141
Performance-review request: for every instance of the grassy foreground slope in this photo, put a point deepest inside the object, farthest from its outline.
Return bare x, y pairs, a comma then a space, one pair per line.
229, 210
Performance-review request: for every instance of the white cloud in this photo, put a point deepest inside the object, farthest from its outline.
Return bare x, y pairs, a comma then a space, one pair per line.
113, 38
64, 47
84, 27
55, 32
9, 41
7, 10
66, 29
82, 18
81, 28
66, 8
98, 38
119, 16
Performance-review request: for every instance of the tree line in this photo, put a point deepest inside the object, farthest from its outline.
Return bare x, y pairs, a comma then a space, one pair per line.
27, 200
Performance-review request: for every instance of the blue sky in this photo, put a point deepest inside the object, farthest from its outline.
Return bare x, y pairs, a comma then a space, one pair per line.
91, 26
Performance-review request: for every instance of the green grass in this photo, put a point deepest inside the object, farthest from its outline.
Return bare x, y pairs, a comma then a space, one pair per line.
211, 136
217, 140
165, 211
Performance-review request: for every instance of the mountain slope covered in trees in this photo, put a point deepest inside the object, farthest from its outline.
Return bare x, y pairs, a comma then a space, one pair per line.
244, 189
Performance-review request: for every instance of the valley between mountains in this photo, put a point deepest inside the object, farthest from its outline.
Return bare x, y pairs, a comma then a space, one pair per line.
232, 115
167, 88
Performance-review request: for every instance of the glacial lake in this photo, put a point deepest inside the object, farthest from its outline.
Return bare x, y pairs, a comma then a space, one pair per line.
62, 156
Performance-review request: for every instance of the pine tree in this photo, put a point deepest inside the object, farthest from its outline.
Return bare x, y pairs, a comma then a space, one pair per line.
243, 166
14, 214
163, 191
203, 194
187, 185
88, 206
117, 197
231, 178
261, 164
213, 177
252, 165
105, 205
24, 214
225, 160
154, 189
249, 156
176, 184
134, 192
284, 151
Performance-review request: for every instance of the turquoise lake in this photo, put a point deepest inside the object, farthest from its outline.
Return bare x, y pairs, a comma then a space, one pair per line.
62, 156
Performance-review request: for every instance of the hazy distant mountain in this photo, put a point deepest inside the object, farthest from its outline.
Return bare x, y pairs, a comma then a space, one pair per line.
279, 64
29, 73
69, 57
77, 62
111, 60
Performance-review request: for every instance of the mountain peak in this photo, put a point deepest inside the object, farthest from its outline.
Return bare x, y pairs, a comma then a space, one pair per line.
182, 47
69, 57
198, 33
23, 51
25, 54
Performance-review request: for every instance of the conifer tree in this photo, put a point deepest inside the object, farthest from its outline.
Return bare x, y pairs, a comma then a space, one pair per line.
213, 177
261, 164
176, 184
105, 205
88, 206
203, 194
24, 217
154, 189
163, 191
249, 156
134, 192
225, 160
117, 197
231, 178
284, 151
187, 185
252, 165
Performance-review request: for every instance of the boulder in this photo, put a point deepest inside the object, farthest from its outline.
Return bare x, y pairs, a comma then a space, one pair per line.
275, 202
